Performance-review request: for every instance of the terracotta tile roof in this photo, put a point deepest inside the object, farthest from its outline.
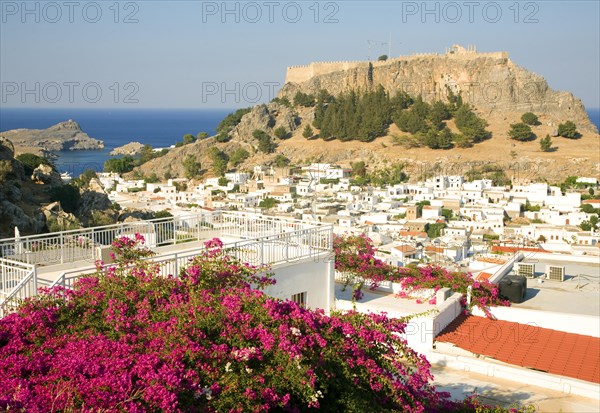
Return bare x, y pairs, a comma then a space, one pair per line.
498, 248
405, 248
552, 351
483, 276
413, 234
492, 260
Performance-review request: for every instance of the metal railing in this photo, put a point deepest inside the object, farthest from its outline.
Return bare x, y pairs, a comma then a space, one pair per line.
81, 244
17, 282
265, 241
264, 251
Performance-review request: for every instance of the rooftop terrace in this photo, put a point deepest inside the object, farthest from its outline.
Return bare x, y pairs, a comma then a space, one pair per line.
60, 258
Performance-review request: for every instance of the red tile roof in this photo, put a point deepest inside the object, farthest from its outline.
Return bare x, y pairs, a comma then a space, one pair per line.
483, 276
498, 248
552, 351
413, 234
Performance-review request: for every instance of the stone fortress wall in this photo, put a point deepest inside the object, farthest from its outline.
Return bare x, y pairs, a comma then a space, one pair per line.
299, 74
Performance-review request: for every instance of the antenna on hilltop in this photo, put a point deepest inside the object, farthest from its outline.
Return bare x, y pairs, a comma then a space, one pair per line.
376, 43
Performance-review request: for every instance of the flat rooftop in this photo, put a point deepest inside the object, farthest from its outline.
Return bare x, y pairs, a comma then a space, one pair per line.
579, 293
497, 391
378, 302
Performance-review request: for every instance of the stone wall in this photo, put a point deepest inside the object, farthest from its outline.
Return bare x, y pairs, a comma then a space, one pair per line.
302, 73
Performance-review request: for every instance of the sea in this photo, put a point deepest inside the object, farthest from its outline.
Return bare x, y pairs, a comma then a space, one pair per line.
159, 128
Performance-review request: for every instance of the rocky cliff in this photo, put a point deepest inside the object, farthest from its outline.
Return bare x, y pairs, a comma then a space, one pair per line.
64, 136
491, 82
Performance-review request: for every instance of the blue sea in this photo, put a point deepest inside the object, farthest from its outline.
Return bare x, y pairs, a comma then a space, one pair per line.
156, 127
159, 128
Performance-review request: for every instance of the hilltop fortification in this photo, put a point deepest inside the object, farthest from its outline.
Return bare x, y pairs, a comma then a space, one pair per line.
489, 81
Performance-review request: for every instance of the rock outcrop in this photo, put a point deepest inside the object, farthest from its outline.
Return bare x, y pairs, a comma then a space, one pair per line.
60, 137
491, 82
45, 174
131, 149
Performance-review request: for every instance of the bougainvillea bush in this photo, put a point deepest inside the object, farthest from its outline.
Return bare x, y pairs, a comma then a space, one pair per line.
355, 259
207, 340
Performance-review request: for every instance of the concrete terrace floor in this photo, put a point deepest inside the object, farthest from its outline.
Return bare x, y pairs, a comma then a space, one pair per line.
505, 392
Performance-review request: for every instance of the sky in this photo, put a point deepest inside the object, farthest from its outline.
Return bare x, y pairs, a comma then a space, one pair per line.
215, 54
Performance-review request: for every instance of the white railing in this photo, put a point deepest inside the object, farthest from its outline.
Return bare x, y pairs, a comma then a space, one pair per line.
265, 241
81, 244
264, 251
17, 282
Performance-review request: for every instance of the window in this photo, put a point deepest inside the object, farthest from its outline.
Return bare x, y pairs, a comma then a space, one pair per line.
300, 299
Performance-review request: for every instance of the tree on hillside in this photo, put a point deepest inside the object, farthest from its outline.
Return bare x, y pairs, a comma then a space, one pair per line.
304, 99
437, 139
188, 138
201, 136
222, 137
438, 113
409, 121
146, 153
308, 132
239, 156
119, 165
568, 130
546, 143
281, 161
520, 132
400, 101
454, 101
281, 133
219, 160
471, 126
530, 118
383, 58
191, 167
358, 169
232, 120
265, 143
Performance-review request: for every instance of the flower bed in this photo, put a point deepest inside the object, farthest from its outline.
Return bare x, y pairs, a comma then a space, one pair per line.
127, 340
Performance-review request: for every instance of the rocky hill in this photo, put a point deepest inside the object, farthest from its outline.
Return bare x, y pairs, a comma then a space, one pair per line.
499, 90
491, 82
64, 136
28, 195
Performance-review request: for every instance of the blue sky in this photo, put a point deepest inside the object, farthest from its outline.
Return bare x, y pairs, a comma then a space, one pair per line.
202, 54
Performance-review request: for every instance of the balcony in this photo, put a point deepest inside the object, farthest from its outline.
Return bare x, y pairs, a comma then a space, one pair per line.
300, 253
